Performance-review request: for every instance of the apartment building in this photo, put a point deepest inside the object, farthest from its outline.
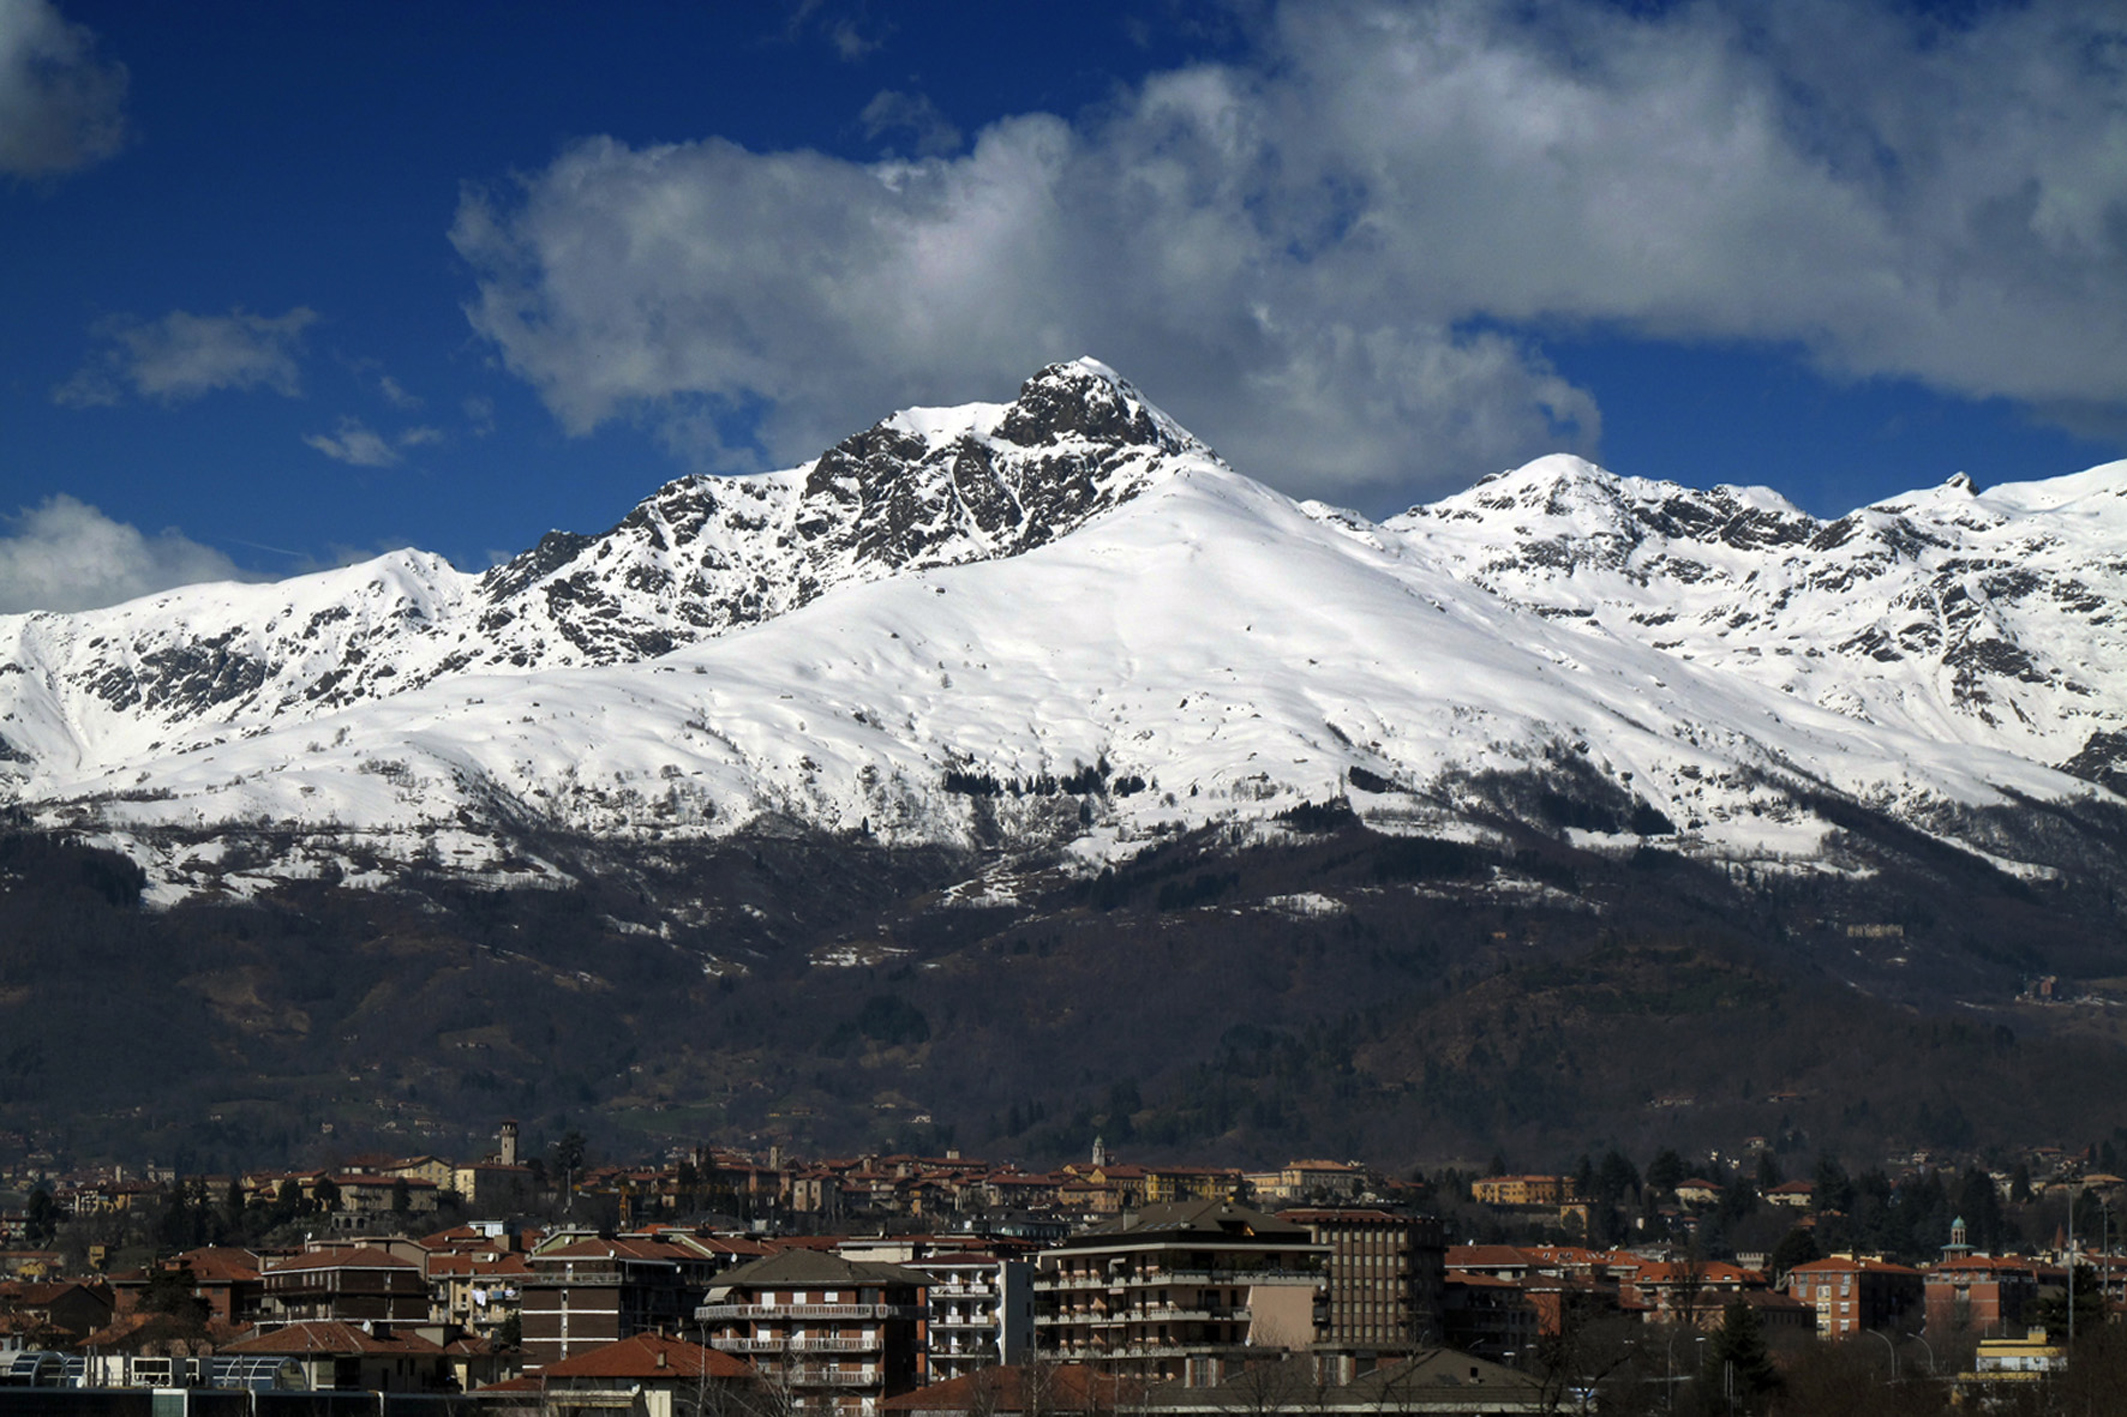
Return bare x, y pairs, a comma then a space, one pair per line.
827, 1333
359, 1285
583, 1293
1183, 1291
1851, 1295
981, 1312
1385, 1274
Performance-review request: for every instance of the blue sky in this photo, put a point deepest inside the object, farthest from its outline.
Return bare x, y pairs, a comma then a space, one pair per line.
288, 285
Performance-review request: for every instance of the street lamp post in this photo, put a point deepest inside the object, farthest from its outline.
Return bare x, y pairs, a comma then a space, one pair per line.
1890, 1345
2104, 1254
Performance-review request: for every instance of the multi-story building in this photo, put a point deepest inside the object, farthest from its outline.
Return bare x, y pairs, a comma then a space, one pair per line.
825, 1332
648, 1374
1180, 1292
1992, 1296
981, 1297
1385, 1274
1851, 1295
361, 1285
981, 1312
478, 1291
1309, 1180
586, 1292
1522, 1190
1490, 1317
1693, 1293
337, 1354
227, 1280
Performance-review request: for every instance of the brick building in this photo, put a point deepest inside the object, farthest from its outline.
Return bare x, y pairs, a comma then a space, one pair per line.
1852, 1295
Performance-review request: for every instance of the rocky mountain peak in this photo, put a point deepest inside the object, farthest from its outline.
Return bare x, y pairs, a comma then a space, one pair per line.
926, 487
1085, 400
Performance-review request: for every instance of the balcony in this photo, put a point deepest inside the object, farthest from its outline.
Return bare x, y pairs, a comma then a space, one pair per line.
1098, 1318
796, 1345
710, 1313
1228, 1277
574, 1276
833, 1377
1155, 1278
1085, 1352
1076, 1281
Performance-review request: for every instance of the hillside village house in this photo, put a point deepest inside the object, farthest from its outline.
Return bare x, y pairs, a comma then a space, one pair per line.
1522, 1190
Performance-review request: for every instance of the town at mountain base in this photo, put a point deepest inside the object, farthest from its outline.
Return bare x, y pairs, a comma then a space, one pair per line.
738, 1283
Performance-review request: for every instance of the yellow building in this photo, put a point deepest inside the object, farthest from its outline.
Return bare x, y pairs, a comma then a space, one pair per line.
1521, 1190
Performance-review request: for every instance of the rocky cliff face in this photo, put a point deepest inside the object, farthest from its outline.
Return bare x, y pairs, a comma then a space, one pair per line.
925, 488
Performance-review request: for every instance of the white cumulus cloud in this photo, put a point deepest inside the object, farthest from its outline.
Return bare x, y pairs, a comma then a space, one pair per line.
66, 555
60, 107
183, 356
1315, 257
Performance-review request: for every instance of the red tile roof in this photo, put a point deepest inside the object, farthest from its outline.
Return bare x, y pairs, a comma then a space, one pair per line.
333, 1336
1836, 1265
362, 1257
638, 1358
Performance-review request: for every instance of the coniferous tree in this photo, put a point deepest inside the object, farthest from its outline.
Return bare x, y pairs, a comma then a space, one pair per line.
1834, 1190
1797, 1247
1737, 1361
2089, 1306
1617, 1176
42, 1216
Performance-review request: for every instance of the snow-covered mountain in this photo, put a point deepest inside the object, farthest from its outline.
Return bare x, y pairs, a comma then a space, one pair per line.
1064, 623
1987, 618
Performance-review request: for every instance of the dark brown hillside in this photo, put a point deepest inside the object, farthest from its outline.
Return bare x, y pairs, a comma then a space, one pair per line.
1334, 992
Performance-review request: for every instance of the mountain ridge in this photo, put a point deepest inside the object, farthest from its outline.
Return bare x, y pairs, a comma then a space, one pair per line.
930, 631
